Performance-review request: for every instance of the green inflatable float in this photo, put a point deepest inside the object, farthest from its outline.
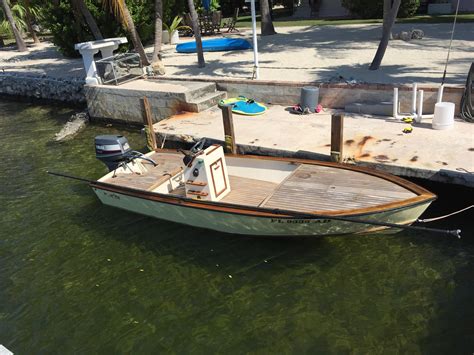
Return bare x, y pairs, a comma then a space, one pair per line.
244, 106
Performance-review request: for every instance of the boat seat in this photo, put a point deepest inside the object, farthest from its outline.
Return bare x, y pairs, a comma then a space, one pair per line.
164, 178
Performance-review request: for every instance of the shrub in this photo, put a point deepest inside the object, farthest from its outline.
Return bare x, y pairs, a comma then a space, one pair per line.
66, 32
59, 19
374, 8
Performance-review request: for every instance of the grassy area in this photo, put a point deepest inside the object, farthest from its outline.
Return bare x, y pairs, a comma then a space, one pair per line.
245, 21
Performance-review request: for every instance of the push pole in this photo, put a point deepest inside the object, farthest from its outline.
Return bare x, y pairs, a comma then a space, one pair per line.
256, 73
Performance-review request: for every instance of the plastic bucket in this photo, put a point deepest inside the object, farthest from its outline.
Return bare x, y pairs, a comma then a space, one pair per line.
309, 98
443, 115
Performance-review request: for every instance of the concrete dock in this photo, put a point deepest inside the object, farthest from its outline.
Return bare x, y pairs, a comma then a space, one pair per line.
439, 155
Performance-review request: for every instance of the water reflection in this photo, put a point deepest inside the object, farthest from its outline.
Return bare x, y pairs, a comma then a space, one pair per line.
80, 277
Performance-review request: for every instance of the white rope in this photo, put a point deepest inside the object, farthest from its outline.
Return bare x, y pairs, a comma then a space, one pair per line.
441, 217
164, 140
450, 42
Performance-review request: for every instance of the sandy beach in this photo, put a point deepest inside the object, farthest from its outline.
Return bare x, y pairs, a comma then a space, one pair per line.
316, 53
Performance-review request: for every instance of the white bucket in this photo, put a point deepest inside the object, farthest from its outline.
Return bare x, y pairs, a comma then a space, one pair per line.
443, 115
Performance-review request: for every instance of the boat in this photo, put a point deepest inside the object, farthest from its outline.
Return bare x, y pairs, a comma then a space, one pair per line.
254, 195
215, 45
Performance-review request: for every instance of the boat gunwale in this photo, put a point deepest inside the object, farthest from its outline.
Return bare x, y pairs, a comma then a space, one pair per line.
423, 195
243, 209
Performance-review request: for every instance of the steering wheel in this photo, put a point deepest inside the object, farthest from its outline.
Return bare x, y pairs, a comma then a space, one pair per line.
193, 152
196, 148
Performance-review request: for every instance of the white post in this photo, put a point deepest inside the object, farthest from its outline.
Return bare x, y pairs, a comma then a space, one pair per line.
420, 107
395, 103
89, 66
254, 35
413, 100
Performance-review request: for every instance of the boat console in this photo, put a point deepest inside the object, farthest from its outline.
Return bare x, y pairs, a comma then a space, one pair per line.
205, 174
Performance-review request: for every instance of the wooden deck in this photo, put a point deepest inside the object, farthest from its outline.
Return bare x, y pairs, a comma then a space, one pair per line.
167, 163
308, 188
248, 192
320, 188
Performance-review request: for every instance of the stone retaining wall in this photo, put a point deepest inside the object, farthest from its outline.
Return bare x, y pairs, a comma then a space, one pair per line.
43, 87
334, 95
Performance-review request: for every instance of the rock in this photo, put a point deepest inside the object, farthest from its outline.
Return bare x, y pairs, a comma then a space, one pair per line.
405, 36
158, 67
40, 86
417, 34
76, 123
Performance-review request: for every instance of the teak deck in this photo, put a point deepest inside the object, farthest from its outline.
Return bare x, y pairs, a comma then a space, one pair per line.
308, 188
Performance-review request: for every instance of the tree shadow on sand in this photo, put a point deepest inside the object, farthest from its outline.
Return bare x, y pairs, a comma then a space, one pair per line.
335, 42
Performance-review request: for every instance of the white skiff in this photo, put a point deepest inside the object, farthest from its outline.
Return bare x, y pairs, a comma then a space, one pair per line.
261, 196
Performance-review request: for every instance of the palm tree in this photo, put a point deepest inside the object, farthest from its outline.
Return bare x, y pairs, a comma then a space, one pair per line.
29, 21
158, 30
16, 32
120, 10
388, 22
266, 24
82, 9
197, 34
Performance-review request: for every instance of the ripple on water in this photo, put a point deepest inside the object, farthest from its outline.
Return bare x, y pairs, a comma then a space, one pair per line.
82, 277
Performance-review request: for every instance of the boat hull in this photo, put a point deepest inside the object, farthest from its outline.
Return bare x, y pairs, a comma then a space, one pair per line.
249, 223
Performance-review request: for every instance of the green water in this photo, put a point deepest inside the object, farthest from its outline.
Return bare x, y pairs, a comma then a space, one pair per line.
80, 277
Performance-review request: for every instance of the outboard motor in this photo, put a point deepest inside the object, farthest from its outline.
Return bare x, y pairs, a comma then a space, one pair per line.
112, 150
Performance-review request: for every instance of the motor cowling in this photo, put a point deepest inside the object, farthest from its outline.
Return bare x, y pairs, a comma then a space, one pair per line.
112, 150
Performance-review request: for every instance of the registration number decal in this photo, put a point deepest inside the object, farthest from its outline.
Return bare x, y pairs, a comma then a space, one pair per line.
299, 221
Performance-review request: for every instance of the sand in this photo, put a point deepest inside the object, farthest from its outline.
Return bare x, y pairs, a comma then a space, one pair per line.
316, 53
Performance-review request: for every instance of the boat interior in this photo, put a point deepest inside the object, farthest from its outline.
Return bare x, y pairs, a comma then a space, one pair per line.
257, 182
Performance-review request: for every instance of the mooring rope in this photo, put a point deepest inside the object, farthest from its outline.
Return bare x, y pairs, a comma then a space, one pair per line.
445, 216
164, 140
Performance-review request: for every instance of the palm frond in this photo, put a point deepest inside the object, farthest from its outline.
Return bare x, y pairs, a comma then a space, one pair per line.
117, 7
19, 13
5, 28
175, 25
35, 11
18, 10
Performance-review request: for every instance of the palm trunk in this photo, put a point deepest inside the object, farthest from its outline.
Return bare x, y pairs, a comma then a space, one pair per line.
134, 36
8, 14
91, 23
197, 34
78, 19
158, 30
266, 23
387, 4
387, 30
29, 21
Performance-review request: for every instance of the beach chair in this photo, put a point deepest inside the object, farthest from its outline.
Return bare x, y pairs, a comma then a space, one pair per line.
216, 18
205, 24
230, 22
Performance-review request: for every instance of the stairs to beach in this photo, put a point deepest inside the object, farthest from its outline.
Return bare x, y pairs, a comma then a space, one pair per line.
166, 98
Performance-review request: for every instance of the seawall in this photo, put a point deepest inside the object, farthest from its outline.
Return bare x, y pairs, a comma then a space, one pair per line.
67, 90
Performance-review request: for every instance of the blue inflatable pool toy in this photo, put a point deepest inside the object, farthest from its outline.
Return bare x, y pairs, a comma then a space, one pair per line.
215, 45
244, 106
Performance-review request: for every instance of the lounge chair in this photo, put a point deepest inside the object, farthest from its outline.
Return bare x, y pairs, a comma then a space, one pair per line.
230, 22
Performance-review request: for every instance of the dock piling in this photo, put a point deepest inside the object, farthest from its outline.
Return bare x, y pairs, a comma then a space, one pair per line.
337, 127
229, 134
148, 121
